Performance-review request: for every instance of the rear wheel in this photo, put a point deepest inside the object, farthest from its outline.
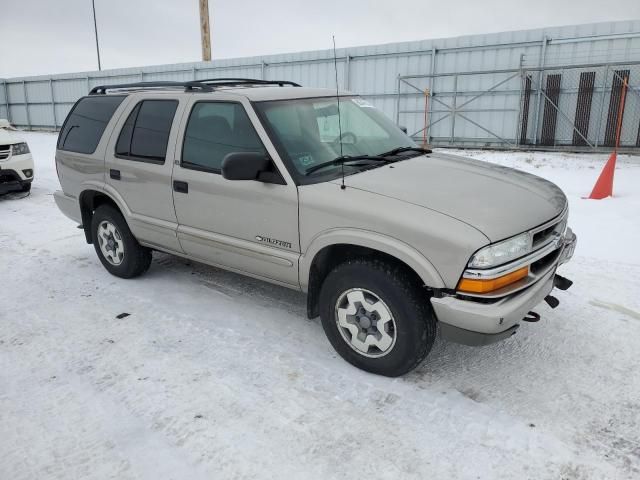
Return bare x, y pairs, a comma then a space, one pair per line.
376, 316
117, 248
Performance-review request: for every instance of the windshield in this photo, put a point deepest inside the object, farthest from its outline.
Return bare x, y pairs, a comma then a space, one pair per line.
306, 133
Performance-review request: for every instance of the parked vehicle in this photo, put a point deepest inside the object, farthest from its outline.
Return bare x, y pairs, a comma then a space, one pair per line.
16, 163
319, 193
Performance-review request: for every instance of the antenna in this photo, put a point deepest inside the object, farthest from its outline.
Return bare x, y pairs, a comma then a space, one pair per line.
335, 67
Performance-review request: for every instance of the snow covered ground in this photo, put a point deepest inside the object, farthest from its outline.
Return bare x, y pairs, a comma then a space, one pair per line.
213, 375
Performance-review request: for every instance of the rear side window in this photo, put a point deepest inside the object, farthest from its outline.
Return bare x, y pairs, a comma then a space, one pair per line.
145, 134
86, 122
214, 130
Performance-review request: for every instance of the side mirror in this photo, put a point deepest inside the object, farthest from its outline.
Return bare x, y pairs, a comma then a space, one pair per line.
244, 165
403, 128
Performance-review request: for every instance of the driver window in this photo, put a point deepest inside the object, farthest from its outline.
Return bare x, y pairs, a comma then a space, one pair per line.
214, 130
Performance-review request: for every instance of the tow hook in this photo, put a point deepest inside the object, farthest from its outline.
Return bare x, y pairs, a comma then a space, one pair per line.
532, 317
561, 282
552, 301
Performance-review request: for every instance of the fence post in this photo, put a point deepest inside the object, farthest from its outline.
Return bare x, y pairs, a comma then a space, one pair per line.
26, 104
141, 76
516, 139
604, 89
398, 101
87, 81
53, 104
346, 70
6, 99
541, 64
262, 67
193, 73
454, 113
432, 84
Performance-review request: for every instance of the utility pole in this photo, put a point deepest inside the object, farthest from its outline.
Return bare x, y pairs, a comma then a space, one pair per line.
95, 29
205, 32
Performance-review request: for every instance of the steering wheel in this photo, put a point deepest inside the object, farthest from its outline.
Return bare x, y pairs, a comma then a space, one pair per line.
341, 138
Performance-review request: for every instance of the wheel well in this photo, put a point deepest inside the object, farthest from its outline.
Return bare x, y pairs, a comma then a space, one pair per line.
331, 256
90, 200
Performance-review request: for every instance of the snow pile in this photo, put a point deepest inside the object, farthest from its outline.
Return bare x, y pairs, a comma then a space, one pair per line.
213, 375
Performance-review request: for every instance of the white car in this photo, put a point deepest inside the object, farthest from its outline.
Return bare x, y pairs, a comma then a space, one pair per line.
16, 163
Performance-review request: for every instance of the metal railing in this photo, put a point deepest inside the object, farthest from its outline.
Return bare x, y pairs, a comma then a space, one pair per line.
574, 107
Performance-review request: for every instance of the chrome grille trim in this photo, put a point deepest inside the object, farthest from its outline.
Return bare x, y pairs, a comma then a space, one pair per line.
5, 151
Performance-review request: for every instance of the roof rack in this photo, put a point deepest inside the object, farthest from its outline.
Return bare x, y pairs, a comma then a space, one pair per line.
225, 82
188, 86
206, 85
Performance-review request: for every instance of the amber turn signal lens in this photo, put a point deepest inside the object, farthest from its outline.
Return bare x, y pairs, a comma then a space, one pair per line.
473, 285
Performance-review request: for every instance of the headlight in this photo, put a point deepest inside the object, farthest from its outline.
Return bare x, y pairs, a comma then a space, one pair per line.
502, 252
19, 149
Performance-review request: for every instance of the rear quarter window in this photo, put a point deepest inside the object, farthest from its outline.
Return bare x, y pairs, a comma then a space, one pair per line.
86, 123
145, 134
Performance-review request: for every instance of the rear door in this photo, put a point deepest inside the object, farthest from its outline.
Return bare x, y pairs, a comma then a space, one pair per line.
247, 226
138, 173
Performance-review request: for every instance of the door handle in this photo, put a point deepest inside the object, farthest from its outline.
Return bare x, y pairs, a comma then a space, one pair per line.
115, 174
179, 186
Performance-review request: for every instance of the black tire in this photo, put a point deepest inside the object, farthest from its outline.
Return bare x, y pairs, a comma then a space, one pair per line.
26, 187
415, 324
136, 259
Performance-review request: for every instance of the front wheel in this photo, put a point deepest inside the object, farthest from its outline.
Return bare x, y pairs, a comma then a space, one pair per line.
117, 248
376, 316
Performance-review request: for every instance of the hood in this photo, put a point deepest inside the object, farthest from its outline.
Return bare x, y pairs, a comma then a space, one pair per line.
8, 137
498, 201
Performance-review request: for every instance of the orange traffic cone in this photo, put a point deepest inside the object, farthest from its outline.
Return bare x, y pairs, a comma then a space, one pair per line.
604, 185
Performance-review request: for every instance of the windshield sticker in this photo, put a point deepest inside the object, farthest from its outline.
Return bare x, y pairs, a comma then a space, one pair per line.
362, 103
305, 159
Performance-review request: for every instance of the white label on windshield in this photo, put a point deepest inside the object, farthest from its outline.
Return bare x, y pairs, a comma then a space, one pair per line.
362, 103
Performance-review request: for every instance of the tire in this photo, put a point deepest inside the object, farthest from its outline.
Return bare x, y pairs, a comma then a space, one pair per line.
412, 325
26, 187
126, 258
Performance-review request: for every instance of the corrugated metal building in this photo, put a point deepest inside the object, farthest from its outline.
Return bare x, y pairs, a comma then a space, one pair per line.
553, 87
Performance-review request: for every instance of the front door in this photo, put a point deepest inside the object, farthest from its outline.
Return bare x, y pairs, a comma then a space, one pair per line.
247, 226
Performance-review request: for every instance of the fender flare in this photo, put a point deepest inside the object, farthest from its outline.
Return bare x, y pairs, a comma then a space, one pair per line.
376, 241
107, 191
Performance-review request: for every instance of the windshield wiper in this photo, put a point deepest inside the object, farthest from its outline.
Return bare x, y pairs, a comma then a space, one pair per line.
344, 159
382, 157
398, 150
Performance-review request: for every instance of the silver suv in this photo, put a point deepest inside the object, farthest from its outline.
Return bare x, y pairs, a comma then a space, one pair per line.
319, 193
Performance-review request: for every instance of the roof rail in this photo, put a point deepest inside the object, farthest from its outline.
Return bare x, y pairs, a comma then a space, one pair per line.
226, 82
206, 85
188, 86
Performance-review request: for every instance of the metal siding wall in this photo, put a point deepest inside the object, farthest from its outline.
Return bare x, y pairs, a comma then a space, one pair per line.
373, 72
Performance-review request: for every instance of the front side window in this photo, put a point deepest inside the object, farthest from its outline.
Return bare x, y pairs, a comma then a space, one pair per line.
145, 134
307, 133
83, 128
214, 130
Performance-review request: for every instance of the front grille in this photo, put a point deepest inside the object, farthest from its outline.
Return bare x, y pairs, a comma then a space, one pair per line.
541, 236
548, 233
545, 262
5, 150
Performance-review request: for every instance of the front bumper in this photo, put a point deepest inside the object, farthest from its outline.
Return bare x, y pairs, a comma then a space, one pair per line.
473, 322
14, 173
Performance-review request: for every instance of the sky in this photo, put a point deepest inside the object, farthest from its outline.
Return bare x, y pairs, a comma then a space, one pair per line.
56, 36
